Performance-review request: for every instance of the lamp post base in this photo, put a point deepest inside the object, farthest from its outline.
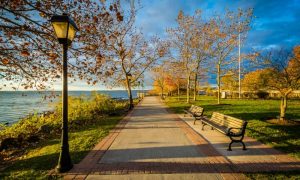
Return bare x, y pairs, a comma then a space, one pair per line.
131, 106
64, 162
63, 169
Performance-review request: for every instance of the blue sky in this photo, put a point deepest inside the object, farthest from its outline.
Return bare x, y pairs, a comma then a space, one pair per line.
277, 22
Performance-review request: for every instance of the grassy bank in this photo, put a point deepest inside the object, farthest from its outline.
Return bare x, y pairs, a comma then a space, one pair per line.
90, 120
258, 113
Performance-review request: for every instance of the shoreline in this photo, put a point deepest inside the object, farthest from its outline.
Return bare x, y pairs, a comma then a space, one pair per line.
17, 105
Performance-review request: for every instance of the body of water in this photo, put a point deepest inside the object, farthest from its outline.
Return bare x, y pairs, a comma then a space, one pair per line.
18, 104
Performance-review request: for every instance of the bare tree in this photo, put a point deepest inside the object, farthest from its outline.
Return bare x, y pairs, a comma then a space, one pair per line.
202, 42
181, 38
126, 53
226, 30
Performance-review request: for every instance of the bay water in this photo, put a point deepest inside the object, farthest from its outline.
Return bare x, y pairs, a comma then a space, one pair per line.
15, 105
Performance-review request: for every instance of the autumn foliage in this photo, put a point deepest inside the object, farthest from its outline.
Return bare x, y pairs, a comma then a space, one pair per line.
30, 56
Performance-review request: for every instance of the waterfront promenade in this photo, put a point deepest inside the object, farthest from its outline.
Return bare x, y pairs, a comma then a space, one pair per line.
153, 143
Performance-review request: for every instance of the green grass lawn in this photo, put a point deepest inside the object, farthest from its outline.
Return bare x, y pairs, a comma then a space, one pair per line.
37, 162
282, 137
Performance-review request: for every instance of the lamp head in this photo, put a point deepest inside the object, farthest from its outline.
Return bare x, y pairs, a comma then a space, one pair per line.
129, 76
64, 27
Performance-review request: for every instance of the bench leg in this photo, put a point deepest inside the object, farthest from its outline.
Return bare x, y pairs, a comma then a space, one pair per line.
229, 147
244, 146
195, 121
236, 141
203, 124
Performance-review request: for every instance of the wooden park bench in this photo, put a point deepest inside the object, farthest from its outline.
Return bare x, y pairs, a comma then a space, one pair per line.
232, 127
196, 112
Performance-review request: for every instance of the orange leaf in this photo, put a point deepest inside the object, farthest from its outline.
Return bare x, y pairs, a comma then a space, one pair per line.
25, 53
5, 61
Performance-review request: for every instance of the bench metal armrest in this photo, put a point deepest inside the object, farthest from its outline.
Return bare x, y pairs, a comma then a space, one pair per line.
205, 118
187, 111
230, 133
201, 117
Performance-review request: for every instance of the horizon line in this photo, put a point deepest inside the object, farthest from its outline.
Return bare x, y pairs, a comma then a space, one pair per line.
72, 90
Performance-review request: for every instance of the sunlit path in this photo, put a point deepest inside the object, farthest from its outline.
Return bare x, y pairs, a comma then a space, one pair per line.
151, 135
158, 145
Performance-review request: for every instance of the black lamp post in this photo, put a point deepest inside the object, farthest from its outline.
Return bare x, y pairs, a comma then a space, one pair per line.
143, 93
139, 93
65, 30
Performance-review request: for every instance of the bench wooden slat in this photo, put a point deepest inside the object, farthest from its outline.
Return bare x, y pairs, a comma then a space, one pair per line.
228, 121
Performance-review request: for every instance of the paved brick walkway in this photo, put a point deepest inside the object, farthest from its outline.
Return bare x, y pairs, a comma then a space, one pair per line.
152, 143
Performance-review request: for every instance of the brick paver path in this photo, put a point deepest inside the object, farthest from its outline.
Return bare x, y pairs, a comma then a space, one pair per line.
152, 143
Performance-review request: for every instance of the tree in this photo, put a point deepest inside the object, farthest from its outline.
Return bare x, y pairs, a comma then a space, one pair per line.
226, 30
176, 69
202, 42
170, 84
159, 76
297, 53
229, 81
126, 52
283, 74
208, 89
164, 78
181, 38
29, 52
196, 40
254, 81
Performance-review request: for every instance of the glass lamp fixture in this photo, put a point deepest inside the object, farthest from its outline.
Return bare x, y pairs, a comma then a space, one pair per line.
129, 76
64, 27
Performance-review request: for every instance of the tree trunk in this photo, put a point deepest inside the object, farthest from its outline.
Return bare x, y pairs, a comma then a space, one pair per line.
219, 81
283, 106
129, 93
195, 87
178, 91
188, 89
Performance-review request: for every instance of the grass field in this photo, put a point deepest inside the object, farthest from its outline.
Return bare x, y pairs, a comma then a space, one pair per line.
257, 112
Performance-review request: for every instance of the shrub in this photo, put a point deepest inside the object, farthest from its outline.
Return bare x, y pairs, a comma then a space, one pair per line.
262, 94
82, 111
216, 94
